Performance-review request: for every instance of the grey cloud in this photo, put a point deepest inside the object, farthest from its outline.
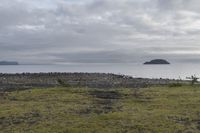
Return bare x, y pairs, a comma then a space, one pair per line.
99, 31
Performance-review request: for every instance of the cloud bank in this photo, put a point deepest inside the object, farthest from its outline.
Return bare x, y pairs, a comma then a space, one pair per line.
99, 31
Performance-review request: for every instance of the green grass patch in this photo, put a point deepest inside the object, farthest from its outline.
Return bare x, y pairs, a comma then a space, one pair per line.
82, 110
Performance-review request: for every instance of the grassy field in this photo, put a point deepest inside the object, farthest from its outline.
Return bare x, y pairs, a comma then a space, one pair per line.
83, 110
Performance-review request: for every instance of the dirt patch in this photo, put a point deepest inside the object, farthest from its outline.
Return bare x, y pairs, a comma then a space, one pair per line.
198, 125
104, 101
197, 122
106, 94
3, 95
180, 119
185, 121
30, 118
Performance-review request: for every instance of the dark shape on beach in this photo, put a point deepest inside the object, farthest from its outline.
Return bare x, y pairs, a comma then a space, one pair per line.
157, 61
9, 63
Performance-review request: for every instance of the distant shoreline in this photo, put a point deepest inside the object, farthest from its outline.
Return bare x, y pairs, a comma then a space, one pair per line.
9, 63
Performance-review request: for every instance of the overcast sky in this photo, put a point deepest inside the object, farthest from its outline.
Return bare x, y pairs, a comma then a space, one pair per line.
99, 31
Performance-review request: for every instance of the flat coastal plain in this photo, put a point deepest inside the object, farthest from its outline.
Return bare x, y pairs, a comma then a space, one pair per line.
159, 109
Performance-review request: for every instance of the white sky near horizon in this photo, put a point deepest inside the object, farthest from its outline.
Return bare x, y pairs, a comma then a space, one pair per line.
99, 31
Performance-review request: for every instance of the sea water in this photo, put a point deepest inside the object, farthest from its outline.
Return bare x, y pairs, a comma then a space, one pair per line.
172, 71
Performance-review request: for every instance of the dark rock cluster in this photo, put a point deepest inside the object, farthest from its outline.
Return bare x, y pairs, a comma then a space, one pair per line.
93, 80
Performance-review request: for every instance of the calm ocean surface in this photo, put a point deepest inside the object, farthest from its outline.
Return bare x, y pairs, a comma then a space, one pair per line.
175, 71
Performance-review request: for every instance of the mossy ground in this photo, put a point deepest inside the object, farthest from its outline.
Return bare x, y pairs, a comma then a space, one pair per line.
83, 110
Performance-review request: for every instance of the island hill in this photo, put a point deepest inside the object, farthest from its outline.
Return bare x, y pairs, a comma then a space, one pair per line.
157, 62
9, 63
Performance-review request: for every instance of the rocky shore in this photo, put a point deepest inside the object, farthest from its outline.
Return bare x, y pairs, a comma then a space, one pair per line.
22, 81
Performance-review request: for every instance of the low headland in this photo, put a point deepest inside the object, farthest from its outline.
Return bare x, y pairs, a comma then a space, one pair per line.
9, 63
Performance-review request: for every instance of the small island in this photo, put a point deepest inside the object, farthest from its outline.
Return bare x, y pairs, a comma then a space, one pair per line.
9, 63
157, 62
